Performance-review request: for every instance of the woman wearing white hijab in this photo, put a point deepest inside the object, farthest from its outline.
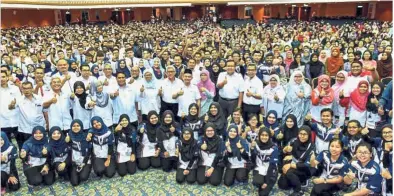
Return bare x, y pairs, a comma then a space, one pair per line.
274, 96
149, 93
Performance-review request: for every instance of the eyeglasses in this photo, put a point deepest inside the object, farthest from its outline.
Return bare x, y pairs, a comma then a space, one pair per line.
303, 134
386, 133
363, 153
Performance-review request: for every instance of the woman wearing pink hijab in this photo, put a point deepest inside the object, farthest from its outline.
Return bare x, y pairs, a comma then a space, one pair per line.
339, 111
287, 61
323, 56
207, 91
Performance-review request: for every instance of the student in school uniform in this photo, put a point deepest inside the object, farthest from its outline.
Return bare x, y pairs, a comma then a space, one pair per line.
187, 152
9, 173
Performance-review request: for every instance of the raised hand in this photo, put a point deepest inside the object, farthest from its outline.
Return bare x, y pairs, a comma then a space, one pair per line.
204, 146
44, 150
279, 136
239, 145
72, 96
225, 80
206, 118
172, 129
180, 93
142, 89
12, 104
131, 81
160, 91
248, 93
54, 99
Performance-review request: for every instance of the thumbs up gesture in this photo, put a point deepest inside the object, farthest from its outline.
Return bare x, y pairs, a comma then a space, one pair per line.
365, 131
276, 97
337, 131
68, 77
119, 127
204, 146
279, 136
72, 96
54, 99
172, 129
106, 83
116, 93
142, 89
142, 130
4, 157
89, 137
239, 145
206, 118
225, 80
67, 138
288, 149
44, 151
12, 104
388, 146
341, 93
308, 117
177, 151
248, 93
322, 93
131, 81
180, 93
351, 175
227, 144
160, 91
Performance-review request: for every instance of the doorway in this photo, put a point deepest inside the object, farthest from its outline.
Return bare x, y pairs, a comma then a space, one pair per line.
305, 13
68, 17
359, 11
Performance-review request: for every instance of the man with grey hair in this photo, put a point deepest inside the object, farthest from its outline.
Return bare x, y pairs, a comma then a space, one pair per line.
169, 86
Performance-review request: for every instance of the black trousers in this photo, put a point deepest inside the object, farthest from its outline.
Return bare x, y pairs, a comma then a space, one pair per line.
241, 174
169, 106
126, 168
190, 178
100, 169
250, 109
325, 189
9, 131
21, 138
259, 180
6, 184
65, 173
228, 106
144, 163
77, 177
292, 179
215, 179
169, 163
35, 178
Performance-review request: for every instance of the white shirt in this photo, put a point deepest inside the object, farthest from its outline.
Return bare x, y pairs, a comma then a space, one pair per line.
112, 84
8, 118
59, 112
190, 95
234, 86
170, 88
79, 112
87, 82
30, 113
150, 100
254, 86
130, 62
124, 103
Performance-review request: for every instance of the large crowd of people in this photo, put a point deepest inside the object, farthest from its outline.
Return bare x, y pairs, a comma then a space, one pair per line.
293, 103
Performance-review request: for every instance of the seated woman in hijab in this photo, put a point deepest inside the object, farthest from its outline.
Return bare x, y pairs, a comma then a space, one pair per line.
265, 156
211, 149
236, 156
103, 148
81, 151
187, 152
148, 150
125, 151
193, 121
334, 165
167, 136
297, 100
59, 152
9, 173
236, 119
215, 115
296, 167
34, 155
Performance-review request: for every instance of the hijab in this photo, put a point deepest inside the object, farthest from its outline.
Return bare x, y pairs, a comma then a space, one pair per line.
315, 67
36, 146
158, 73
299, 148
124, 70
339, 86
102, 98
290, 133
358, 100
214, 141
193, 118
209, 85
186, 149
219, 119
92, 71
151, 128
126, 130
79, 137
233, 142
269, 143
7, 142
276, 123
104, 129
334, 63
371, 106
329, 97
57, 146
164, 132
323, 59
385, 67
152, 83
81, 97
214, 75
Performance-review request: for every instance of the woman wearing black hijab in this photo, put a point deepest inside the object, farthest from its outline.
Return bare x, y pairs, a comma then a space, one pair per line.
314, 68
215, 116
187, 152
148, 150
296, 168
167, 135
214, 72
289, 130
373, 117
211, 148
265, 156
125, 151
193, 121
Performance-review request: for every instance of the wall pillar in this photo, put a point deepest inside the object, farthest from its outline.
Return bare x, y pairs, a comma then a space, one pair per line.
177, 13
241, 12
